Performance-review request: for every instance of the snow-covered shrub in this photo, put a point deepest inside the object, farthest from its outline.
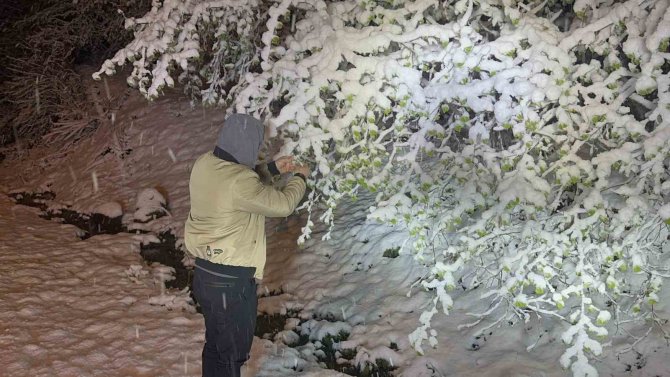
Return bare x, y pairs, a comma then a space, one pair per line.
524, 161
212, 44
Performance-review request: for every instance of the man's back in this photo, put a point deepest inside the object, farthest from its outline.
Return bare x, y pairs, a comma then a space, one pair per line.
228, 208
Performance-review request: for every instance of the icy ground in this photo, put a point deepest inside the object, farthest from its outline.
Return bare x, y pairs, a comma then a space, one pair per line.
82, 308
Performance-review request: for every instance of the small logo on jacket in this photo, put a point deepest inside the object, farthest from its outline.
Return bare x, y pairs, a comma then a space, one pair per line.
216, 251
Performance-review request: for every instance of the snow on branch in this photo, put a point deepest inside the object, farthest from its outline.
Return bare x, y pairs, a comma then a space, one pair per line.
210, 42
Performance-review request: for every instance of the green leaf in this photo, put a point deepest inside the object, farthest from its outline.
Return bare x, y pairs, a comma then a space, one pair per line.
531, 126
663, 46
598, 118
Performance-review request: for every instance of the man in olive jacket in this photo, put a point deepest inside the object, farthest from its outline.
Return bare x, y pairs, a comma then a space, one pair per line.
225, 231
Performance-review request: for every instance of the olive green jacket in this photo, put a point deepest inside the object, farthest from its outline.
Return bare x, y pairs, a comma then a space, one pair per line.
229, 204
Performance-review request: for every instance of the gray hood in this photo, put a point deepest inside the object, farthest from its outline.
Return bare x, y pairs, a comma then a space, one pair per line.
242, 137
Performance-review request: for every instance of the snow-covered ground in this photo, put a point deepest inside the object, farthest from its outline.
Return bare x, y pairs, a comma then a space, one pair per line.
68, 307
72, 307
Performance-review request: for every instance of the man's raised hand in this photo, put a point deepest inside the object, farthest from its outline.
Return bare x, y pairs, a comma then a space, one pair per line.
301, 169
285, 164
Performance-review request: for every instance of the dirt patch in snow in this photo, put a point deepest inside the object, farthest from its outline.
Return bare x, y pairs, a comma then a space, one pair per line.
167, 253
91, 224
33, 199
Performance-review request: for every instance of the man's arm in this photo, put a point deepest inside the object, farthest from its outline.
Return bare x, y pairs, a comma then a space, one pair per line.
251, 195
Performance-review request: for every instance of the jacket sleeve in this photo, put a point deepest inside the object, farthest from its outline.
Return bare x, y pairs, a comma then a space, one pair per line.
251, 195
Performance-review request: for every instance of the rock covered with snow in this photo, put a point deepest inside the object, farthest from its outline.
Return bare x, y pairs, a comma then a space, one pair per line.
109, 209
150, 204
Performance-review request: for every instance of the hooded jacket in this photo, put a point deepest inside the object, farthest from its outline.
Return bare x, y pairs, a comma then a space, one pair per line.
229, 203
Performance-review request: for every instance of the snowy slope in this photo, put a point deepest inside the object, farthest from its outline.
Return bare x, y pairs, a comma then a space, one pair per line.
69, 309
107, 326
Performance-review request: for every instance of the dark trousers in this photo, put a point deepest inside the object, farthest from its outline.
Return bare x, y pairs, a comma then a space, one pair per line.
227, 297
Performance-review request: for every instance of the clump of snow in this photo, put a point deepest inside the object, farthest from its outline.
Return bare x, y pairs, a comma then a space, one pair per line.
318, 329
145, 239
180, 300
645, 85
162, 273
664, 212
288, 337
369, 356
149, 204
136, 272
109, 209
